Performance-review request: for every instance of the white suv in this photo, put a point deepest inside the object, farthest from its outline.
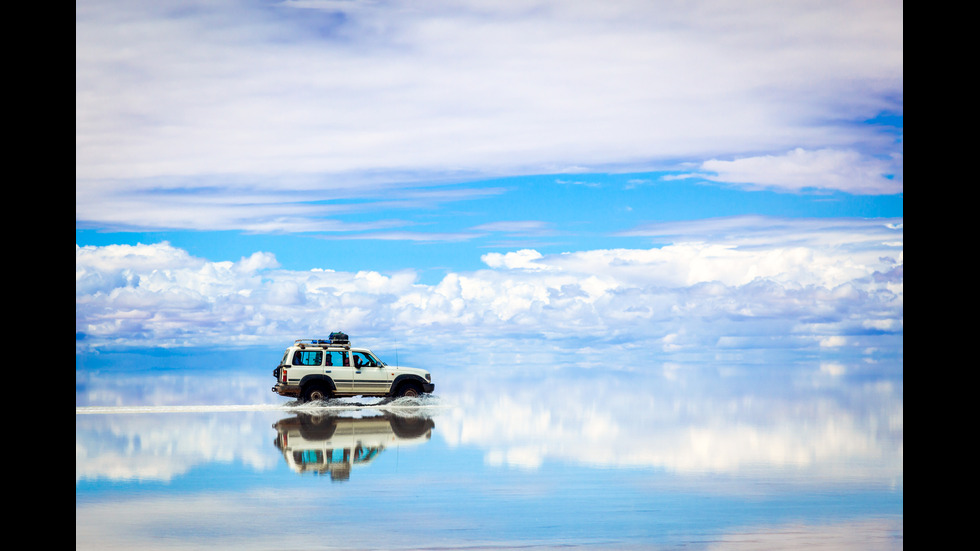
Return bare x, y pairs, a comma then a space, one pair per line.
315, 369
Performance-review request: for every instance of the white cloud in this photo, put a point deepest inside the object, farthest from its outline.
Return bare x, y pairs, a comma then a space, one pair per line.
844, 238
824, 291
263, 101
523, 259
824, 169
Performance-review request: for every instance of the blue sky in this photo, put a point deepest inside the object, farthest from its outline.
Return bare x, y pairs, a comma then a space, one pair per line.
549, 213
469, 167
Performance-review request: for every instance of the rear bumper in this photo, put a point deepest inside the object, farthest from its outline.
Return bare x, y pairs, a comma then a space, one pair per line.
286, 390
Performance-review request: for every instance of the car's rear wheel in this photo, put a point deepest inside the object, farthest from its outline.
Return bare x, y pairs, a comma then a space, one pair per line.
315, 393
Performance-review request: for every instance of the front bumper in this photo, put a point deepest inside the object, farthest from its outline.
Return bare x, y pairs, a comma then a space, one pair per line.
428, 388
283, 389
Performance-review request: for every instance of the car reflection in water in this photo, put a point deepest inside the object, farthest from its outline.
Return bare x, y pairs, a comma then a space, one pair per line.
333, 444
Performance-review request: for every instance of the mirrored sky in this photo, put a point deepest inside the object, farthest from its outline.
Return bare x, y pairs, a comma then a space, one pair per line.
793, 455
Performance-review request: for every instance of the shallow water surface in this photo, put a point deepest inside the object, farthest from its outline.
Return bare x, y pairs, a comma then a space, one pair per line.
788, 458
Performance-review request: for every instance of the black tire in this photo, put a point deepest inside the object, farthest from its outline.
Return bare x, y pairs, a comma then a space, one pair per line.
411, 390
315, 393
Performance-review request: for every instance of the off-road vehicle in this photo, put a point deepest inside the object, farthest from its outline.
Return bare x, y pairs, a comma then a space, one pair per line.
319, 369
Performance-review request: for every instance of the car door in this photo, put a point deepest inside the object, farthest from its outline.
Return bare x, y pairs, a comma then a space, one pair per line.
370, 376
337, 367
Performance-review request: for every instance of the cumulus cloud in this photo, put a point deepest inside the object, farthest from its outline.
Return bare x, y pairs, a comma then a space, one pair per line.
817, 287
524, 259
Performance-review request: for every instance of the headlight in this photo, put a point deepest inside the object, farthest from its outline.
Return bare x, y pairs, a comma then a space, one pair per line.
428, 377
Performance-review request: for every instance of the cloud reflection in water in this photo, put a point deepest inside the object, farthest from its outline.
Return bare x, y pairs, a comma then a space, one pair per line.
848, 432
794, 455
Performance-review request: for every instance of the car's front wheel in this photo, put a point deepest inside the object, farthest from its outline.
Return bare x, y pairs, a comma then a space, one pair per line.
410, 390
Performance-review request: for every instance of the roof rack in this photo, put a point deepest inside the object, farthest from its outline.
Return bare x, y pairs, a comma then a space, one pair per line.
337, 338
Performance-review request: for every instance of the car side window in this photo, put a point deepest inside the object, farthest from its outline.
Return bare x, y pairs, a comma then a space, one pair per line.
308, 357
336, 358
363, 360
